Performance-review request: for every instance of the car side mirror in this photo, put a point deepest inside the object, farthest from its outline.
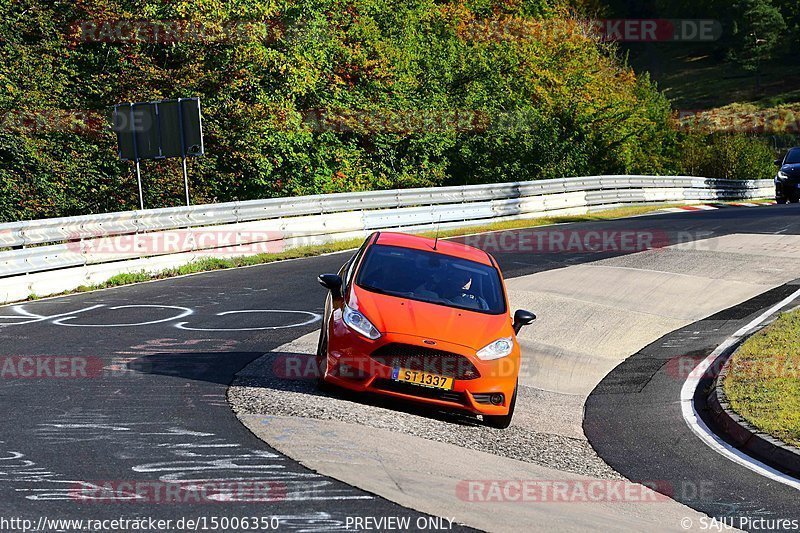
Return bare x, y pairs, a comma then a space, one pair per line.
522, 318
332, 282
779, 162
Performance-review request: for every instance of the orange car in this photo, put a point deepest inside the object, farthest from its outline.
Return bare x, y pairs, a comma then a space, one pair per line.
423, 320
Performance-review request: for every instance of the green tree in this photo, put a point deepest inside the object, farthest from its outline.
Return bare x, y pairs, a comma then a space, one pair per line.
759, 34
337, 95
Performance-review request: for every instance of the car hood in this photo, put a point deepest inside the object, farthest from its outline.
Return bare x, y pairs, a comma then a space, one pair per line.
391, 314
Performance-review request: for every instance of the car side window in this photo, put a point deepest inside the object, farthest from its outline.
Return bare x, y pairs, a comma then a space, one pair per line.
350, 266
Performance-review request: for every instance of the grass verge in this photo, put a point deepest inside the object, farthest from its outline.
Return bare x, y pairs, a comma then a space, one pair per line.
763, 381
218, 263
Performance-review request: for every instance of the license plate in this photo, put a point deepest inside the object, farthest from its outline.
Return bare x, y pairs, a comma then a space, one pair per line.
423, 379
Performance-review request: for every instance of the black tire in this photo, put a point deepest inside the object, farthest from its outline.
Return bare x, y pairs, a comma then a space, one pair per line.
779, 200
322, 359
502, 421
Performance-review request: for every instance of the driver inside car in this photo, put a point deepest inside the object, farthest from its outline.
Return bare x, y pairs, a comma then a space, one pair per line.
455, 288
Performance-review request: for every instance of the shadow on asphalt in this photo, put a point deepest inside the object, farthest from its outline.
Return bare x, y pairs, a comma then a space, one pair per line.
213, 367
222, 367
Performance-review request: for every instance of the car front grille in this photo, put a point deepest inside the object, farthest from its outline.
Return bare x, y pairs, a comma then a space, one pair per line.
411, 357
482, 398
422, 392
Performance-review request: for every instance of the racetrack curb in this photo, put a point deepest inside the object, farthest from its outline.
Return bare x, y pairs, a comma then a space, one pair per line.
745, 436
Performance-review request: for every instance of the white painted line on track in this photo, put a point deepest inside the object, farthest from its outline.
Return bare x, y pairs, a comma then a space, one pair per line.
34, 318
315, 317
700, 428
184, 312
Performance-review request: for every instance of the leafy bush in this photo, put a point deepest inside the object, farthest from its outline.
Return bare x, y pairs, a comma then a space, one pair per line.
727, 156
337, 95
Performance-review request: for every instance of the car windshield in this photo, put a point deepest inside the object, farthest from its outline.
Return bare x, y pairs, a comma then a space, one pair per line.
793, 157
432, 277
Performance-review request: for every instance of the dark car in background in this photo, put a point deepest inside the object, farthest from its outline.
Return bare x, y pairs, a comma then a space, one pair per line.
787, 182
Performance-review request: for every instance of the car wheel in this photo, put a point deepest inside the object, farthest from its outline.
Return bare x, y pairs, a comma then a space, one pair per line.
502, 421
780, 200
322, 359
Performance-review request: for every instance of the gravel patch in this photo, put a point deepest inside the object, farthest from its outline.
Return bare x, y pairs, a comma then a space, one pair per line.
258, 390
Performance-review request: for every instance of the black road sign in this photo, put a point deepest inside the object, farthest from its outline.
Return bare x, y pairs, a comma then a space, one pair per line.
157, 130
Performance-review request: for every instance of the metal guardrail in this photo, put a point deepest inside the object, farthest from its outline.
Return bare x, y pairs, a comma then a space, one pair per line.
66, 243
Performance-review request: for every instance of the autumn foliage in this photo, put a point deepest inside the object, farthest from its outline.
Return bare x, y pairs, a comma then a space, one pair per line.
316, 96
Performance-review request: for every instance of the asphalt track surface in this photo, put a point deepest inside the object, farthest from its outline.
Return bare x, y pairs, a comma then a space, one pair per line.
633, 420
152, 407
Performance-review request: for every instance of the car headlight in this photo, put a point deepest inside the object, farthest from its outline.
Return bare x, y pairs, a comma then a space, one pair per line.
496, 350
359, 323
783, 175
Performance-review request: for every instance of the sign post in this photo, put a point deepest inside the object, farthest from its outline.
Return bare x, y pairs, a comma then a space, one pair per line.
139, 181
138, 164
186, 182
183, 155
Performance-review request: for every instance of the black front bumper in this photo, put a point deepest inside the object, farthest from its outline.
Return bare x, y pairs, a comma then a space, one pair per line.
788, 189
